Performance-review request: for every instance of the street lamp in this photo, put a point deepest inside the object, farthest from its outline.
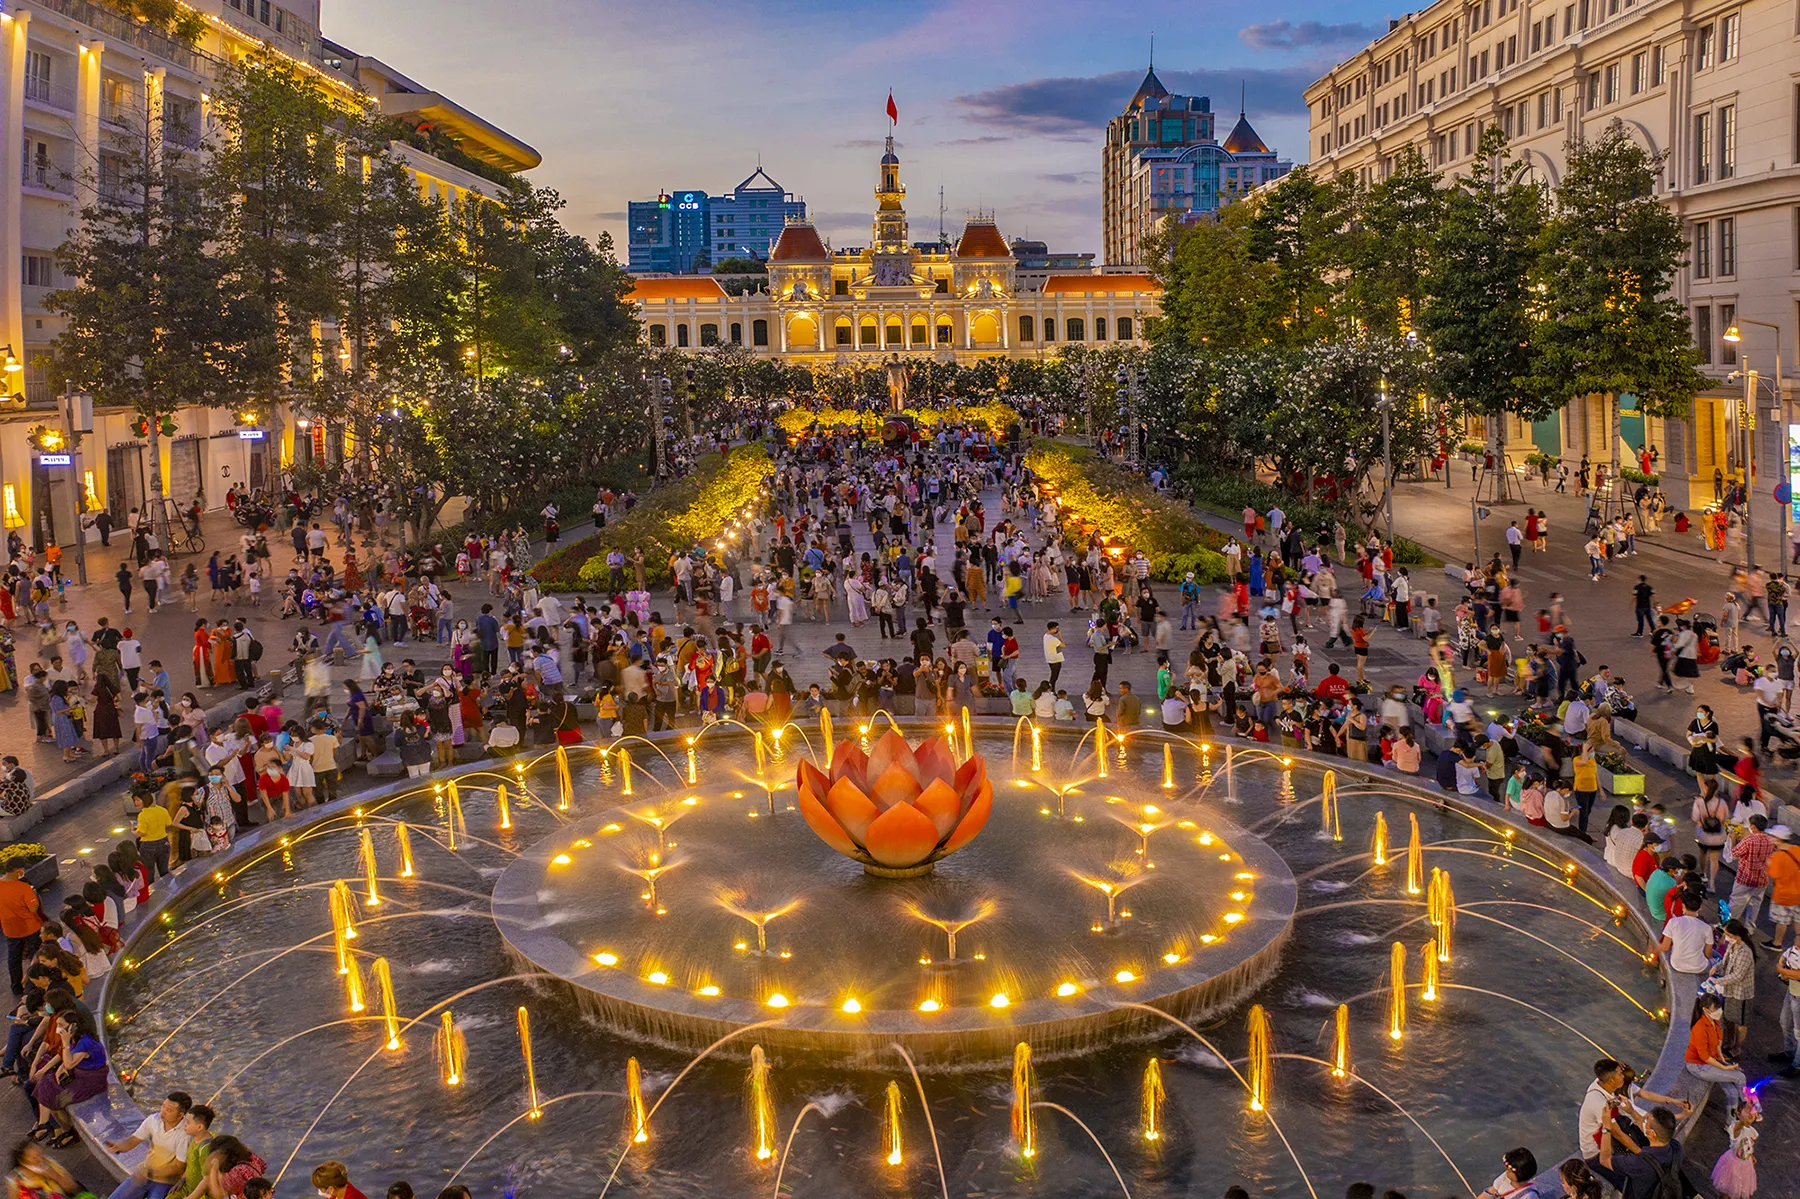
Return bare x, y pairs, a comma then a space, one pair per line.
1386, 404
1733, 336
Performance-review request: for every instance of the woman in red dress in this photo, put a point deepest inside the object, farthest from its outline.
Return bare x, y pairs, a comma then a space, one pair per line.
202, 654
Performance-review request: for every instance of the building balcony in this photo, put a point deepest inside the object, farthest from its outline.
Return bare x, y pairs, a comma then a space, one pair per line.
119, 27
50, 95
49, 181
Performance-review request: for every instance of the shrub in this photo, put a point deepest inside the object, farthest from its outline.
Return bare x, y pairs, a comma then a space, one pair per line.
1095, 496
1230, 494
1638, 476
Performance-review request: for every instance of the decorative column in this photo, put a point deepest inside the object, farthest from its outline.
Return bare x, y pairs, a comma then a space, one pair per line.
87, 120
13, 29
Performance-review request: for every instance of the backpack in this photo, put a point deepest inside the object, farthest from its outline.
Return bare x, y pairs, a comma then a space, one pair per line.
256, 650
1669, 1182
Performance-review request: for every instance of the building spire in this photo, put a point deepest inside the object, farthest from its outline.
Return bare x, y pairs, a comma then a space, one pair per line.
1243, 97
1153, 50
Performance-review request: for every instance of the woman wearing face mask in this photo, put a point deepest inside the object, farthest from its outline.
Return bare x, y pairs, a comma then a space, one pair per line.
1703, 758
75, 648
462, 650
221, 799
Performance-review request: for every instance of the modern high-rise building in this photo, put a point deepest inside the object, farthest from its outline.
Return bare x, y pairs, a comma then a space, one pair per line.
683, 231
80, 78
1163, 162
1710, 85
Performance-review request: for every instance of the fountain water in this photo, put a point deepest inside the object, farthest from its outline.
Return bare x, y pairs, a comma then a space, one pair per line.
1024, 1082
1442, 907
451, 1050
1328, 805
1154, 1095
1378, 846
1037, 750
1428, 985
370, 870
891, 1128
1261, 1064
968, 732
1415, 859
1100, 744
565, 785
962, 913
634, 1102
739, 902
353, 985
762, 1104
403, 837
343, 912
1168, 780
501, 802
1397, 992
1340, 1044
828, 740
533, 1109
454, 823
390, 1014
624, 772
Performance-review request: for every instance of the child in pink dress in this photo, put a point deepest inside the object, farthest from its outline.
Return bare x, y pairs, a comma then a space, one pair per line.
1734, 1177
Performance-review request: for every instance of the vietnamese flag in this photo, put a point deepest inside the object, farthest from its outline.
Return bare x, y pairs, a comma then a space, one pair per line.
892, 111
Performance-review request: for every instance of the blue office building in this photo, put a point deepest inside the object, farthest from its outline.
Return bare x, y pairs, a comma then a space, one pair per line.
687, 231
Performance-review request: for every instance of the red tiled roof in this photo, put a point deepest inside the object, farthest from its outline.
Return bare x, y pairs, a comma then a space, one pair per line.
799, 242
1115, 284
981, 239
684, 287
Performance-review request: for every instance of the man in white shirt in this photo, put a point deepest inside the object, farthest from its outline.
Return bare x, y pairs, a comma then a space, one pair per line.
165, 1131
1599, 1106
1687, 942
1053, 651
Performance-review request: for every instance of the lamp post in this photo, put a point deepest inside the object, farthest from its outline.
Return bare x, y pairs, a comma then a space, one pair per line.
1386, 404
78, 417
1779, 413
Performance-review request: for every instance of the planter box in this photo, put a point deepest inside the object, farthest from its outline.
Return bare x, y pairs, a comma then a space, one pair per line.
991, 706
42, 873
1628, 782
1532, 752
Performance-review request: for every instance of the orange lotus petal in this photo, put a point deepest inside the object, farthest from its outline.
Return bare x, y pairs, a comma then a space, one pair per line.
973, 821
966, 773
892, 750
851, 808
940, 802
901, 836
894, 785
820, 822
977, 780
935, 760
808, 773
848, 761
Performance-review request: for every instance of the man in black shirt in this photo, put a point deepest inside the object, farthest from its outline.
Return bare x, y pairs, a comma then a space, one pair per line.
954, 609
1646, 610
1654, 1171
923, 640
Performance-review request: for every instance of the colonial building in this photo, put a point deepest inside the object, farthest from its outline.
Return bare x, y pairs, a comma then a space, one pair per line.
78, 80
1712, 85
961, 301
1161, 162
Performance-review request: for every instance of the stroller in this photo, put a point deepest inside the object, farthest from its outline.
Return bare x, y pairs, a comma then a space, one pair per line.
1706, 627
1780, 737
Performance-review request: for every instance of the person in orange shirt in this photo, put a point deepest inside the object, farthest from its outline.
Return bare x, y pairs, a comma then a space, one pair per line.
1784, 883
21, 917
1705, 1049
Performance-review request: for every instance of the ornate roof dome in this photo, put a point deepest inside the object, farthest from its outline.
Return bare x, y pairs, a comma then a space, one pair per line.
981, 239
799, 242
1242, 139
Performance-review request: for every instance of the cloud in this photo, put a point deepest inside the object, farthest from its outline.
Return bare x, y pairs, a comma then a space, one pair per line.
1071, 177
619, 215
984, 140
1285, 35
860, 143
1075, 104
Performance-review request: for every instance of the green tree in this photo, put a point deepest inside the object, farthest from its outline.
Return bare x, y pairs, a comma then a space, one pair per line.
1396, 223
1215, 294
155, 320
1608, 321
1301, 229
1477, 320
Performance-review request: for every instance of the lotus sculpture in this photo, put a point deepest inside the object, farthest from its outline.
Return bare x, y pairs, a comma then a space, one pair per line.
898, 808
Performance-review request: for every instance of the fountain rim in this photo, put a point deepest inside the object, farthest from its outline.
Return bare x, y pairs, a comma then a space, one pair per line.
98, 1120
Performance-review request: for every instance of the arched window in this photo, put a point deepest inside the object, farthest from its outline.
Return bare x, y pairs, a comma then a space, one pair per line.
944, 331
1049, 328
737, 333
842, 332
1077, 331
1099, 328
867, 332
709, 335
921, 332
1027, 329
896, 332
681, 336
659, 335
759, 332
1124, 324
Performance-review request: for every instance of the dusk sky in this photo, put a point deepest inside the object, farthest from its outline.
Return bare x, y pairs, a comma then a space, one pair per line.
1002, 102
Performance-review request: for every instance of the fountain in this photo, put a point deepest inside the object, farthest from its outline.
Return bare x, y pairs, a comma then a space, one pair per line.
617, 952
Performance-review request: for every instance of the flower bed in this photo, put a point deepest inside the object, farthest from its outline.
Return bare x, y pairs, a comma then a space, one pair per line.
1095, 496
997, 418
673, 517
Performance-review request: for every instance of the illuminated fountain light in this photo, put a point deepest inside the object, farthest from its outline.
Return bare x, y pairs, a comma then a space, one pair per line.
624, 772
1328, 807
1442, 907
1415, 859
634, 1102
892, 1133
353, 986
968, 734
1206, 773
504, 804
1261, 1063
565, 785
1024, 1082
403, 836
1168, 768
453, 815
1428, 988
693, 764
343, 912
1100, 744
1037, 750
829, 742
1340, 1045
740, 904
534, 1110
1378, 845
370, 870
451, 1051
1154, 1096
967, 912
762, 1104
1397, 992
390, 1015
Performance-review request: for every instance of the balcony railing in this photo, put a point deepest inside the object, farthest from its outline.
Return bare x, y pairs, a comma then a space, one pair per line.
50, 179
56, 95
116, 25
118, 112
180, 133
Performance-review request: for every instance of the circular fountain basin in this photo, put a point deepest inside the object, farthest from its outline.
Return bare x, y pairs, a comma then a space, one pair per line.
854, 963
